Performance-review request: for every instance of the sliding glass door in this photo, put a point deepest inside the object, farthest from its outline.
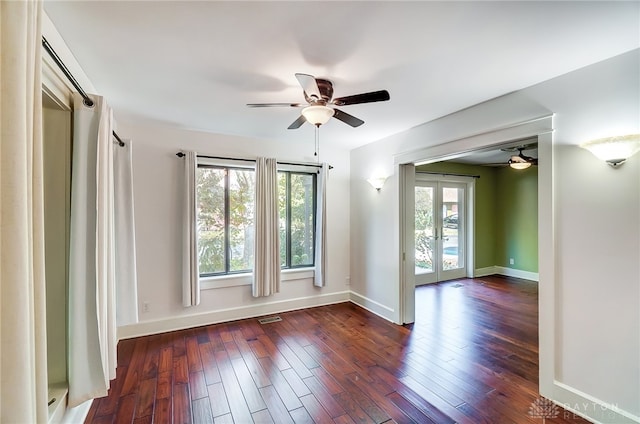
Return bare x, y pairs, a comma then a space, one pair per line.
439, 231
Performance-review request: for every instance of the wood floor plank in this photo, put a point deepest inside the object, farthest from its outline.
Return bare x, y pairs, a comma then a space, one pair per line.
146, 398
163, 412
286, 393
126, 409
193, 354
471, 357
218, 400
209, 364
202, 411
237, 404
262, 417
247, 385
301, 416
197, 385
181, 405
315, 410
277, 409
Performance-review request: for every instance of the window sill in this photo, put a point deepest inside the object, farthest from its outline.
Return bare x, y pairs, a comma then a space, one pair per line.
208, 283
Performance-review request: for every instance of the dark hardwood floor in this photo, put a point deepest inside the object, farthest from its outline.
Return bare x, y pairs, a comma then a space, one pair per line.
470, 357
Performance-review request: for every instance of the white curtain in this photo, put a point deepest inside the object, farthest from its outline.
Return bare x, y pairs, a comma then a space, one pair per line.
266, 269
190, 270
126, 280
321, 228
92, 322
23, 363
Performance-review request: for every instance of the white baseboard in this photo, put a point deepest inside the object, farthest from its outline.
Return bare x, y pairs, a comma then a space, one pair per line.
483, 272
589, 407
78, 414
372, 306
507, 272
146, 328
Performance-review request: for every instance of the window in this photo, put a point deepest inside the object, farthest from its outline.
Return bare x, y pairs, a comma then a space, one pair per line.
296, 193
225, 218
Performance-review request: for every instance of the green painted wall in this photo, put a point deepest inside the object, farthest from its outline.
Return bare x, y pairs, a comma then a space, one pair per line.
485, 204
506, 218
517, 213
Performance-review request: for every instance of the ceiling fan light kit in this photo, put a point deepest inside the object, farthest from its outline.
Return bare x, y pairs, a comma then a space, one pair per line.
519, 165
614, 150
521, 161
317, 114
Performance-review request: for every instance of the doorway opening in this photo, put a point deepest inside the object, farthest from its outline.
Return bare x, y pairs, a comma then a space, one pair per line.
443, 227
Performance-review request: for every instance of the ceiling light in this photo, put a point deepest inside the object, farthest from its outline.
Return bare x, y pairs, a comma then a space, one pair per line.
317, 114
614, 150
517, 162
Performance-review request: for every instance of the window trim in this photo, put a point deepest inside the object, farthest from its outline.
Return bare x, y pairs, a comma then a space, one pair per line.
246, 279
288, 256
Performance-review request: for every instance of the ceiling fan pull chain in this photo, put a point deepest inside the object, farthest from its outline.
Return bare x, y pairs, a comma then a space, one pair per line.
317, 140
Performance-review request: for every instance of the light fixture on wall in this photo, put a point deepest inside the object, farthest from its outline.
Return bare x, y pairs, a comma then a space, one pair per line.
317, 114
614, 150
377, 182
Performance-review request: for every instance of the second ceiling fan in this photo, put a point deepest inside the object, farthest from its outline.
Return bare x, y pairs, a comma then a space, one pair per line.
318, 93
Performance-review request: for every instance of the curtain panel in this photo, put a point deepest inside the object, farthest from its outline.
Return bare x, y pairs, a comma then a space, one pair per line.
321, 229
23, 362
266, 269
125, 239
92, 323
190, 268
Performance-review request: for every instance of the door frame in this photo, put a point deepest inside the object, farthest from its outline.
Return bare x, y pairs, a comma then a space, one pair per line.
509, 136
469, 183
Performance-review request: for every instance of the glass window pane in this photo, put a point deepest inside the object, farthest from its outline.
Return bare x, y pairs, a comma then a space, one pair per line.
210, 189
241, 200
302, 219
282, 216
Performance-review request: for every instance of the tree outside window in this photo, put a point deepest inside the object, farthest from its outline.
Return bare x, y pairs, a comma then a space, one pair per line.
226, 221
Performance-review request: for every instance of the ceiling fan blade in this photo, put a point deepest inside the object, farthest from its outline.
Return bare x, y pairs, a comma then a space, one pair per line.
275, 105
309, 85
374, 96
347, 119
297, 123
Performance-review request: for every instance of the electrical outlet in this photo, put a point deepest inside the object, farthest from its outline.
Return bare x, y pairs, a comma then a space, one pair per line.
145, 306
511, 261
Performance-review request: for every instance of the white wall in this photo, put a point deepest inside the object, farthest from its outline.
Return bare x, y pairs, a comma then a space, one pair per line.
157, 195
596, 260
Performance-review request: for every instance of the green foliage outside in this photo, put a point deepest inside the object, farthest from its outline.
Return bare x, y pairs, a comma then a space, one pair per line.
296, 229
424, 227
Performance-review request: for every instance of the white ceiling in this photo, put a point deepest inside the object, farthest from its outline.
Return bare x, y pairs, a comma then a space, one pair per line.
196, 64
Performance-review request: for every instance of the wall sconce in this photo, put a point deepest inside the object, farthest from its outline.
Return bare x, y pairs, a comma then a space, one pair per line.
377, 182
614, 150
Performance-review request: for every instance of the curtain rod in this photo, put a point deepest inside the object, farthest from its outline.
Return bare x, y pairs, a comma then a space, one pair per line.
85, 97
446, 174
181, 155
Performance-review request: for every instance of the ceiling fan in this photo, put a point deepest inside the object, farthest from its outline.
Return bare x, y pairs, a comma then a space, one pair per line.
319, 109
521, 161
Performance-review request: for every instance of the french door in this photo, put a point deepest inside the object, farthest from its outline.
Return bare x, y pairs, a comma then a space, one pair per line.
440, 216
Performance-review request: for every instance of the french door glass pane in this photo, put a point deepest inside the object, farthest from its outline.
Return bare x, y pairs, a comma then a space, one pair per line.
211, 254
451, 254
424, 237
